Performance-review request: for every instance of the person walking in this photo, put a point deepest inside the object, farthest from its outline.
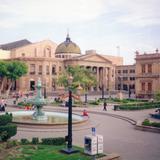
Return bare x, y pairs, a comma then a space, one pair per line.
105, 106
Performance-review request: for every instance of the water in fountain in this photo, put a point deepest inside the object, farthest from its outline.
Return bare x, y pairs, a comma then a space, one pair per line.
39, 117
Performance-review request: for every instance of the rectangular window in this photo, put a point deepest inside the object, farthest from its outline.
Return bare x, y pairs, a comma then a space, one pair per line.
143, 68
119, 78
149, 86
119, 71
53, 70
125, 78
40, 70
143, 86
125, 71
132, 78
32, 68
132, 71
47, 70
149, 68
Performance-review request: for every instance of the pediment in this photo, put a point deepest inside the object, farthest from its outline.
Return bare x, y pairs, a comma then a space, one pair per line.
94, 58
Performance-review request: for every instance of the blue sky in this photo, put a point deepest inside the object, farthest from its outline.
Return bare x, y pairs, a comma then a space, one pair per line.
93, 24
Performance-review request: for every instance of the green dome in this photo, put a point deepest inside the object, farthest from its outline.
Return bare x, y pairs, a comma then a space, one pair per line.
68, 47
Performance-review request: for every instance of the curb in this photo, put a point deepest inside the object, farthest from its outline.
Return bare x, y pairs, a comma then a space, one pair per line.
141, 127
112, 156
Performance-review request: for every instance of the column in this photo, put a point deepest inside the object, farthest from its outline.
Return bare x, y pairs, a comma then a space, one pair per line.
97, 78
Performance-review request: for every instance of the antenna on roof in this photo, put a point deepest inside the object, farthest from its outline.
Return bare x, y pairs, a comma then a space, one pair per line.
118, 50
67, 32
68, 38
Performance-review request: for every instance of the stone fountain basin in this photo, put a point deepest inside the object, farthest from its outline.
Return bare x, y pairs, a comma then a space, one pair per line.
53, 118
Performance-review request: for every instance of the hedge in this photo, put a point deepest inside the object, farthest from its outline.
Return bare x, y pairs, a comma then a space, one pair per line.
146, 122
7, 131
53, 141
24, 141
140, 106
5, 119
35, 140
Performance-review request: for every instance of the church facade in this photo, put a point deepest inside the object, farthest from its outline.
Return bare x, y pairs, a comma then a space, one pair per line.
47, 60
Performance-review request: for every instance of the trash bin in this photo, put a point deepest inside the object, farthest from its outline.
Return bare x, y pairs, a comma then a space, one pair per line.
93, 144
14, 102
115, 107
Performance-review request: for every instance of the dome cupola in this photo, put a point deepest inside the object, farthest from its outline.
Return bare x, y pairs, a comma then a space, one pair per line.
67, 49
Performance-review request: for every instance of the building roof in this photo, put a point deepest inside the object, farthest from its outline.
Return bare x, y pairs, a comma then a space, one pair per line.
16, 44
86, 56
68, 47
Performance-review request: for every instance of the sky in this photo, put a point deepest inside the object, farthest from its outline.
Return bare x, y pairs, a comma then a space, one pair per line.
111, 27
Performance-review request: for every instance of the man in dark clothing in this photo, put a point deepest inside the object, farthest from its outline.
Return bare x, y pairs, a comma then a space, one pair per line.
104, 106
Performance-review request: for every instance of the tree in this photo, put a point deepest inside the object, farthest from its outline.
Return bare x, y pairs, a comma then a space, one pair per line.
3, 74
157, 95
15, 70
81, 76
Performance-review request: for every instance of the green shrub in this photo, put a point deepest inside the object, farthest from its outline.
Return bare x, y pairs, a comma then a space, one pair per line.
11, 143
155, 124
53, 141
139, 106
24, 104
21, 103
3, 136
24, 141
5, 119
146, 122
7, 131
35, 140
96, 102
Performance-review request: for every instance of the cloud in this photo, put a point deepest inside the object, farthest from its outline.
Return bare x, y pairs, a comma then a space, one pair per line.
49, 11
137, 13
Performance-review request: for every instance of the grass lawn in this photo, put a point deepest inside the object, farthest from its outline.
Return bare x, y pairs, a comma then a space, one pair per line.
41, 152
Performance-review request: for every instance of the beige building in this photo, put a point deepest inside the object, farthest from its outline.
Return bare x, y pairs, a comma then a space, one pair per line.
125, 78
4, 54
48, 60
147, 74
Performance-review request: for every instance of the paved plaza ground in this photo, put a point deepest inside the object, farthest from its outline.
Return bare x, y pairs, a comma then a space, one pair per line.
119, 135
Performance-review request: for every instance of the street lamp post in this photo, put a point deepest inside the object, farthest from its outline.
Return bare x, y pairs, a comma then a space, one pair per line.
85, 95
69, 149
129, 92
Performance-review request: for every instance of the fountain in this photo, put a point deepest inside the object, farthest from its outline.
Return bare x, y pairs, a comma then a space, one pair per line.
39, 117
38, 102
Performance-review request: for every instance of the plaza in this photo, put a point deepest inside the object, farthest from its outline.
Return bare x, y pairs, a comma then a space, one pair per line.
79, 80
120, 135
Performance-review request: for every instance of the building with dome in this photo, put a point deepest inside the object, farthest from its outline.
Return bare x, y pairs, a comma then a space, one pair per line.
47, 60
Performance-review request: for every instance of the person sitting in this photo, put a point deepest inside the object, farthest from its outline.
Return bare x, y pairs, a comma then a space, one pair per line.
158, 110
85, 113
28, 108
